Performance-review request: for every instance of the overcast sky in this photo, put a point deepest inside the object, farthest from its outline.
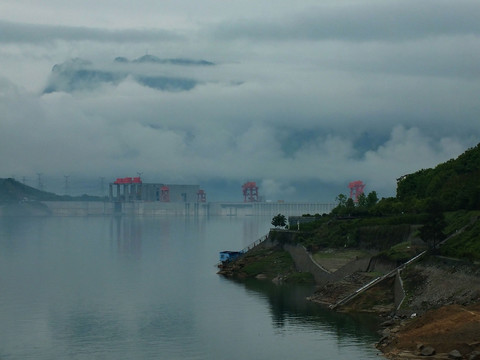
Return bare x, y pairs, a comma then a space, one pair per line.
303, 98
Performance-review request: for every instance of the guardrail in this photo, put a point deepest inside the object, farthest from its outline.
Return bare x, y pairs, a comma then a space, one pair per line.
249, 247
254, 244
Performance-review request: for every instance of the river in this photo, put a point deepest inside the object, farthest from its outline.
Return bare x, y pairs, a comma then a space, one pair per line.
147, 288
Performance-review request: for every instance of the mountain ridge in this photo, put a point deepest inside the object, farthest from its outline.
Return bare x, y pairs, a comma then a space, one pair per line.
79, 74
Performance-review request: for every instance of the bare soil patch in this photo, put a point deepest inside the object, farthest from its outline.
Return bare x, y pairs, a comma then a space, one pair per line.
451, 327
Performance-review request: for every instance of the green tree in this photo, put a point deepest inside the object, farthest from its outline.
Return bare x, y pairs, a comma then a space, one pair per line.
362, 201
279, 220
372, 199
341, 199
350, 206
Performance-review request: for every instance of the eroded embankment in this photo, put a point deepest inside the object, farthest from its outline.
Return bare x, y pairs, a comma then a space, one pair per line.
440, 314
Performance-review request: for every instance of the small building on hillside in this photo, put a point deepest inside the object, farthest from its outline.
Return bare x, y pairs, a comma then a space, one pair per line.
226, 256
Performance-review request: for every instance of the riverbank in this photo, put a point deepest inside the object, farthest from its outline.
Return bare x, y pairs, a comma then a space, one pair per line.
439, 315
449, 332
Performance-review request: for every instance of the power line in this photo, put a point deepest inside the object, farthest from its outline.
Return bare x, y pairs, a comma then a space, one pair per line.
40, 182
67, 184
102, 185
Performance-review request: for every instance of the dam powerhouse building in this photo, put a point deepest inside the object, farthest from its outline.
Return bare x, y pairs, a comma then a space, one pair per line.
134, 189
131, 196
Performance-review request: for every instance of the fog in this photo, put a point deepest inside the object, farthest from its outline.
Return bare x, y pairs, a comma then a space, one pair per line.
301, 98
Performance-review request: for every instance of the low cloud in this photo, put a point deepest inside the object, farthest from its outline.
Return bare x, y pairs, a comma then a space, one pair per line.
11, 32
77, 137
302, 102
362, 21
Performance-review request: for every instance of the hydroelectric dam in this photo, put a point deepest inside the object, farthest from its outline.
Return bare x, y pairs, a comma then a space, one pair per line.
132, 196
147, 208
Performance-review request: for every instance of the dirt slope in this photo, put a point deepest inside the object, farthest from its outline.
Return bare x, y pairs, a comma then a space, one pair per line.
452, 327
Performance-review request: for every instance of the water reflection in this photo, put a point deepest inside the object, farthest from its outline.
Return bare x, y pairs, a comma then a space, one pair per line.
146, 288
288, 305
127, 231
251, 228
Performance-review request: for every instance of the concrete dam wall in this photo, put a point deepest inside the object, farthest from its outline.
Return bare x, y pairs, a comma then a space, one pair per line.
91, 208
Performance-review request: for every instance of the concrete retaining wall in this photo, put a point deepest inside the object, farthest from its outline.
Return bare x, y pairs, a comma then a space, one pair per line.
79, 208
154, 208
351, 267
92, 208
304, 263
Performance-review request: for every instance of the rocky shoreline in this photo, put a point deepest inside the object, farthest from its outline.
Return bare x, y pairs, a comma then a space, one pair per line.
441, 316
449, 332
438, 319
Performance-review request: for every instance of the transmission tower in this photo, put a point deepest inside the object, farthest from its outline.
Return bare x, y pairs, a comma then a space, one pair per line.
67, 184
102, 185
40, 182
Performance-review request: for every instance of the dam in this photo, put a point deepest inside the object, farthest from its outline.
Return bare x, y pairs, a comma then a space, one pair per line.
157, 208
133, 196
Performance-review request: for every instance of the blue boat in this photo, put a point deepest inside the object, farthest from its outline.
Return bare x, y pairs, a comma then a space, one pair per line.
226, 256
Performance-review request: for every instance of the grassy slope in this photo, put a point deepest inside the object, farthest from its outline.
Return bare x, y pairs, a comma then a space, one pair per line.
466, 244
393, 236
271, 263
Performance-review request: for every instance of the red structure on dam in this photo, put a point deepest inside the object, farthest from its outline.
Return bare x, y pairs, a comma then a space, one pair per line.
356, 189
250, 192
129, 189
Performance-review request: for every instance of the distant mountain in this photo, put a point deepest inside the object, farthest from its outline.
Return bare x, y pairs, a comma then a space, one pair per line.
78, 74
174, 61
121, 59
17, 199
12, 191
81, 75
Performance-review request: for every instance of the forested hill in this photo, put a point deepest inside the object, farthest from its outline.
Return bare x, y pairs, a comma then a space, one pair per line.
12, 191
455, 183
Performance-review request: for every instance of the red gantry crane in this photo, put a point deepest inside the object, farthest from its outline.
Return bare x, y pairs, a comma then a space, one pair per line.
201, 196
165, 193
356, 189
250, 192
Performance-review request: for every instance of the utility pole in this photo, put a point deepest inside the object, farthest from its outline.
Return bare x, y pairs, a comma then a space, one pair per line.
102, 185
40, 182
67, 185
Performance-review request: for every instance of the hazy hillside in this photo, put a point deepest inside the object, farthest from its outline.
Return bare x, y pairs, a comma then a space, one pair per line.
447, 196
81, 75
12, 191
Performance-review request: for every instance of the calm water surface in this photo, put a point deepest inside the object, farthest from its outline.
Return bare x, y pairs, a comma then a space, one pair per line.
147, 288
